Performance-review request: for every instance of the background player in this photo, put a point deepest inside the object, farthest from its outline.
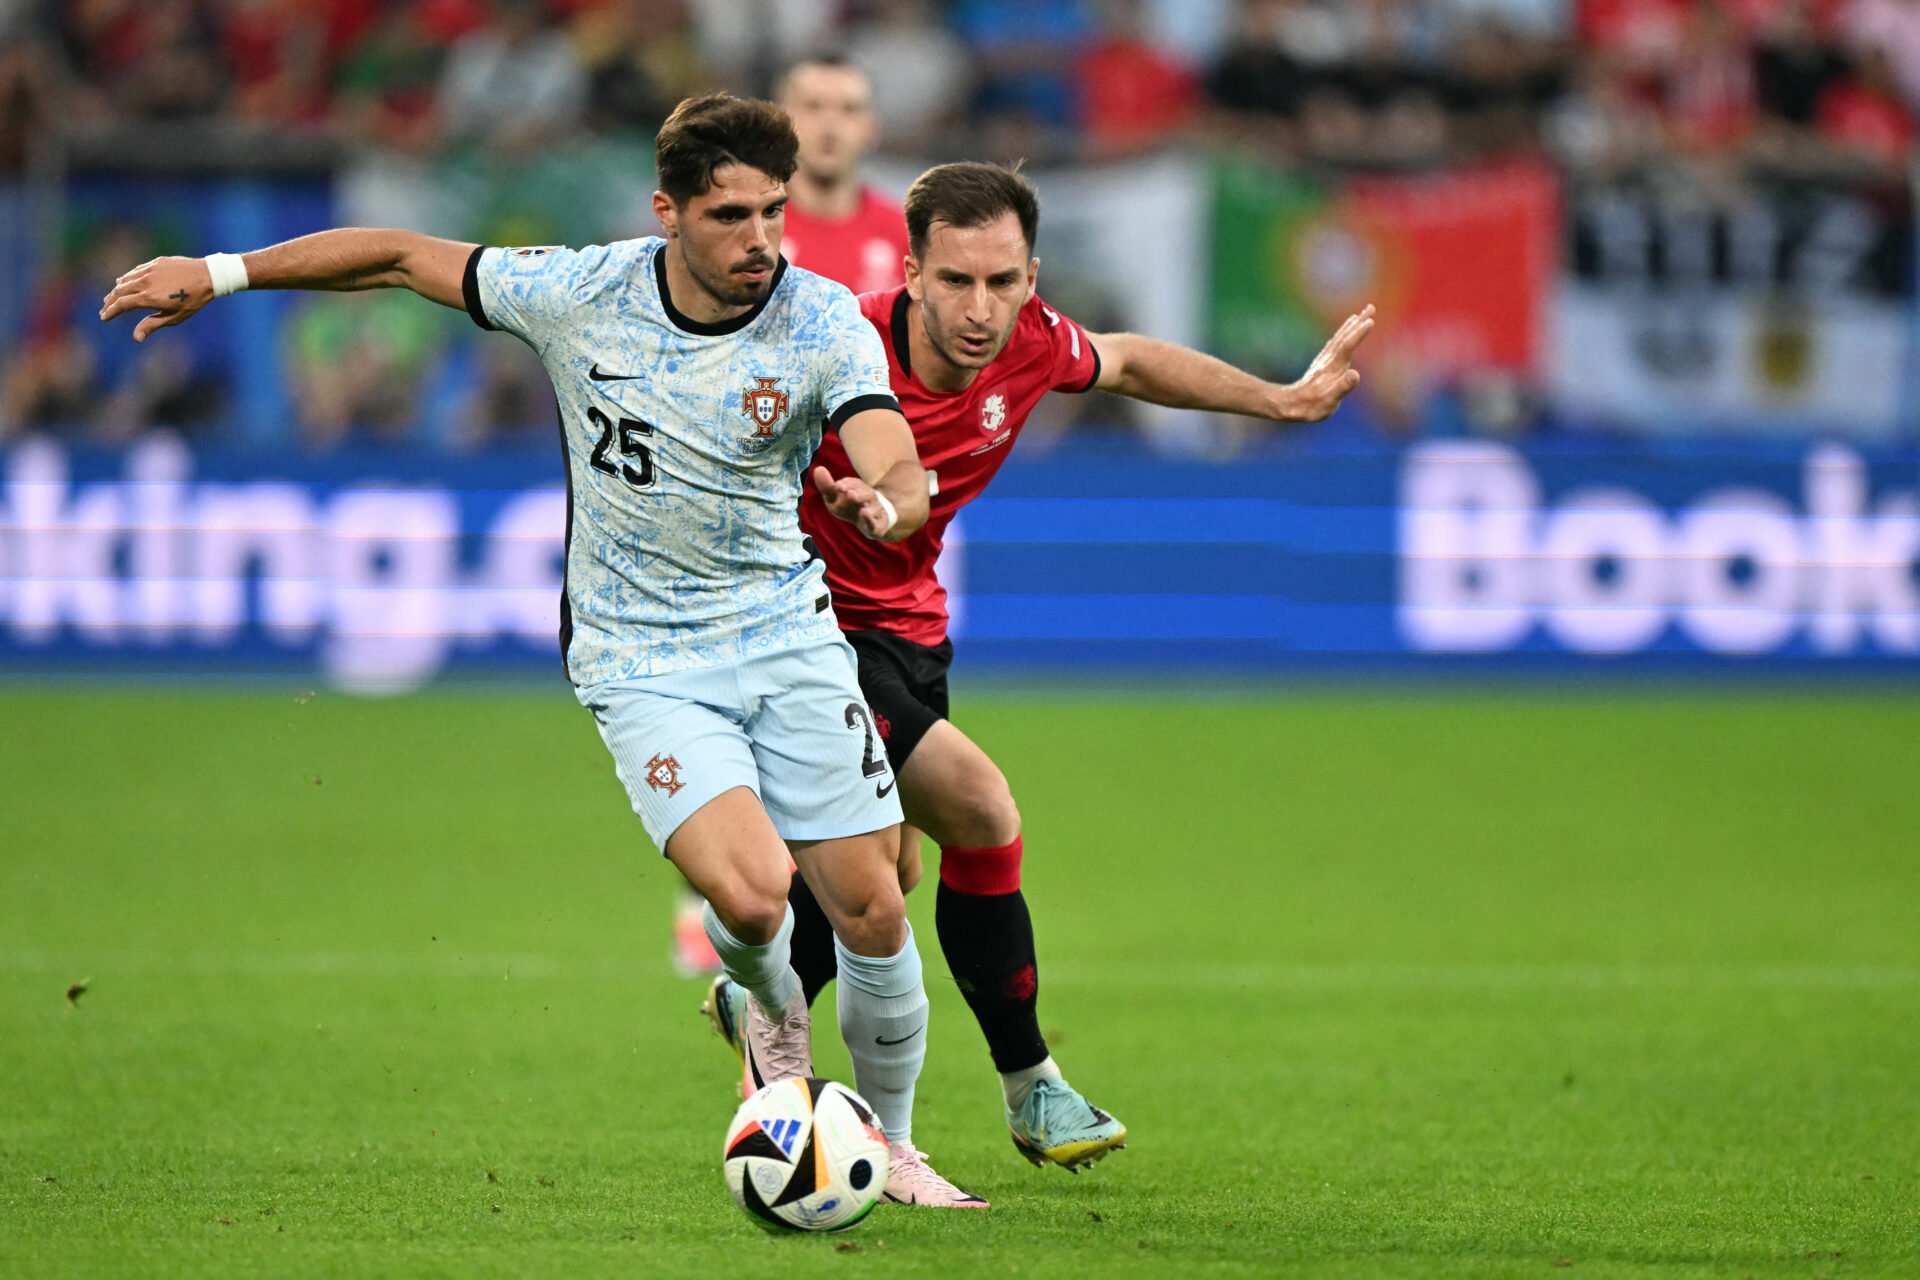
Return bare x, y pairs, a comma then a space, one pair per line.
971, 350
694, 376
837, 227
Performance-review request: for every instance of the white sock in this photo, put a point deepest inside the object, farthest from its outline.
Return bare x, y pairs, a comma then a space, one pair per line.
1016, 1085
765, 971
883, 1016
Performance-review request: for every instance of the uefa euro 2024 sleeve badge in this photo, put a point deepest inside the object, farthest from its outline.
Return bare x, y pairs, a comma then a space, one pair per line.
765, 404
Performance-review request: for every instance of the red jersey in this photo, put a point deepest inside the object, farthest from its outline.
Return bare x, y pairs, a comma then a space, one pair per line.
862, 252
963, 437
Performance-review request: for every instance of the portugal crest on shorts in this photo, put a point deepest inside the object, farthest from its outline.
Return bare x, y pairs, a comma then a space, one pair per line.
765, 403
663, 774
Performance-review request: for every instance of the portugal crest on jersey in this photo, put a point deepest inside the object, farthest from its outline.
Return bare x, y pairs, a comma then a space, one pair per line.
765, 404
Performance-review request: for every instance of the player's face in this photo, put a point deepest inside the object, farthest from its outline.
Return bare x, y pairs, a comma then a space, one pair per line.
832, 110
729, 237
970, 283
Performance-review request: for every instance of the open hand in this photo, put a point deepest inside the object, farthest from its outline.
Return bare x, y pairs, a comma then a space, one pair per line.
855, 501
173, 289
1331, 375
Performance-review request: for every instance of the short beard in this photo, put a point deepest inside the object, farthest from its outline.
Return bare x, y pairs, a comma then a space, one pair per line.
725, 289
743, 294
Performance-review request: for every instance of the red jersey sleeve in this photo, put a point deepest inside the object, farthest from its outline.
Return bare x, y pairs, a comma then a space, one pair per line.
1076, 365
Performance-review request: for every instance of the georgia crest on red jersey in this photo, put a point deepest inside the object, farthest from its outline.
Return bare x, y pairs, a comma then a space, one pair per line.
963, 437
993, 413
993, 422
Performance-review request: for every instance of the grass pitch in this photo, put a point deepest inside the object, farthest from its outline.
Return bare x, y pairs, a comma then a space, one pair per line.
1409, 986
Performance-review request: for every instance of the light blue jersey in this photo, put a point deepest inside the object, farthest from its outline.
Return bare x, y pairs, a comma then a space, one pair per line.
687, 445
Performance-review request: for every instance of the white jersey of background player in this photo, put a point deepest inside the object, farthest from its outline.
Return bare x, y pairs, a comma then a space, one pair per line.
695, 376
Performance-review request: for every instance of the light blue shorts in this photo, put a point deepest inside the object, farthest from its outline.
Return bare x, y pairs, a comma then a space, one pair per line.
792, 725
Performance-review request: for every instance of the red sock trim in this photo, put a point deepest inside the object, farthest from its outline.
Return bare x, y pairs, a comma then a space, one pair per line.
981, 873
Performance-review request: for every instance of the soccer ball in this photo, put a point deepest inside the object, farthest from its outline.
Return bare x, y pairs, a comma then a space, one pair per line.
806, 1155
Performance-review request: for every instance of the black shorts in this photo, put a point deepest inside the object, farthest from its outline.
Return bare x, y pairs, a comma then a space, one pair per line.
906, 686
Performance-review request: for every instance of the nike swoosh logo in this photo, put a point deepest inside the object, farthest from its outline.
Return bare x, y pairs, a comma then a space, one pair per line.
880, 791
598, 376
902, 1040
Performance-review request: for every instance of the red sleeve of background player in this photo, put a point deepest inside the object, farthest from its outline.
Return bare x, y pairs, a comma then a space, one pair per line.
1076, 365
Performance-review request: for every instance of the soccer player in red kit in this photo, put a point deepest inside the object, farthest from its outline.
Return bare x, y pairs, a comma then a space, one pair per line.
837, 226
972, 348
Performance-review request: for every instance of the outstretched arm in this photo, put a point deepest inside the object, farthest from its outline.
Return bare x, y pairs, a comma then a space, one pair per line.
880, 444
173, 289
1162, 373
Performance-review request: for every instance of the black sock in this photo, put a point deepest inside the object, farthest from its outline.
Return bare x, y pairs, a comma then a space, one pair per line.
812, 940
988, 942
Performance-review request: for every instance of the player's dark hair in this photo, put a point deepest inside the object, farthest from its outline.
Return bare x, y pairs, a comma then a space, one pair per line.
718, 129
970, 194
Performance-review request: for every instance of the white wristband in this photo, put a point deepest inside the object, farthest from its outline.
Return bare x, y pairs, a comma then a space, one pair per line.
893, 517
228, 271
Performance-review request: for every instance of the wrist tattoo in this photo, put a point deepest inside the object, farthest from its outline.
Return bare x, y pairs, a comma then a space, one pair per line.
179, 297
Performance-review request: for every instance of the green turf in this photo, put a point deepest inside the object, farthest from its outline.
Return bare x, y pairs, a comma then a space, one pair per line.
1410, 986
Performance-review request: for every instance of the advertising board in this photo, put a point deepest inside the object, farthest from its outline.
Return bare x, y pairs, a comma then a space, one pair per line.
381, 573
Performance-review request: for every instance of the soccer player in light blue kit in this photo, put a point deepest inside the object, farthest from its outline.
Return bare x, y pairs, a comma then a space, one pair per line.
696, 375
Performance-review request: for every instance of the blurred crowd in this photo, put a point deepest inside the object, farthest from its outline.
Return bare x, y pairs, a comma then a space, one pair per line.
1827, 90
1359, 82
